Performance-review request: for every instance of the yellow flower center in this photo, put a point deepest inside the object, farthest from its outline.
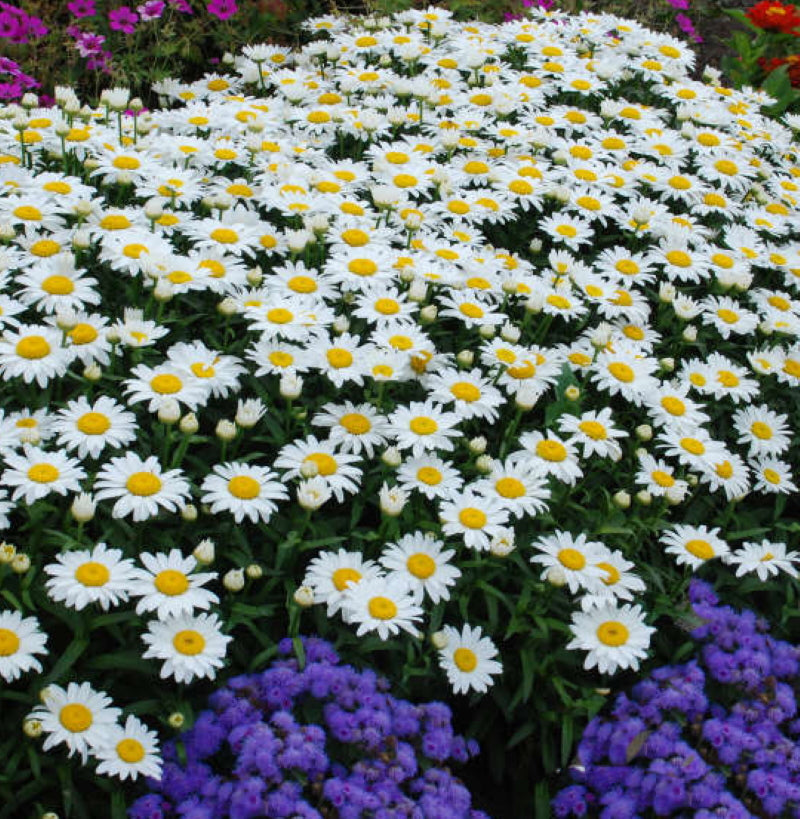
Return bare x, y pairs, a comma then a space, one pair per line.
726, 167
387, 307
244, 487
326, 465
714, 200
9, 642
679, 258
522, 371
341, 577
458, 207
465, 659
32, 347
567, 230
429, 475
57, 187
612, 633
405, 180
355, 423
281, 359
572, 559
362, 267
143, 484
126, 163
130, 751
279, 315
421, 565
134, 251
698, 379
772, 476
580, 359
179, 277
423, 425
779, 303
728, 316
761, 430
701, 549
559, 302
510, 488
382, 608
189, 642
115, 221
621, 371
45, 248
201, 370
662, 478
724, 470
472, 518
93, 423
674, 406
76, 718
166, 384
633, 332
355, 237
551, 451
171, 582
58, 285
471, 310
727, 378
302, 284
465, 391
792, 367
28, 213
594, 429
225, 236
476, 167
339, 358
693, 446
43, 473
612, 573
520, 187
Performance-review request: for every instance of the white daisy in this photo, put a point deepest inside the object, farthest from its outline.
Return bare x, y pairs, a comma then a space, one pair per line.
551, 456
382, 604
518, 485
244, 490
131, 750
20, 639
36, 473
353, 427
421, 426
766, 559
33, 353
310, 457
595, 431
766, 432
468, 659
694, 545
91, 427
572, 556
330, 574
431, 476
421, 561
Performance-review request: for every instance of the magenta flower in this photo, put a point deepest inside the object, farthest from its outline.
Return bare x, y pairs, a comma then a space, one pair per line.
123, 19
82, 8
182, 6
222, 9
151, 10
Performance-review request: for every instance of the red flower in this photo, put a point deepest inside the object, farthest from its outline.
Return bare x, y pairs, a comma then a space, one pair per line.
773, 16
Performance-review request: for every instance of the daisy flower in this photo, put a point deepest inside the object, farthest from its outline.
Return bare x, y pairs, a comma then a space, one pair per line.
330, 575
626, 372
192, 646
310, 457
618, 582
34, 353
420, 426
765, 431
730, 474
595, 431
766, 559
159, 384
431, 476
90, 428
168, 586
78, 716
694, 545
20, 639
518, 485
340, 359
472, 394
36, 473
420, 560
616, 637
468, 659
694, 450
574, 556
141, 487
476, 518
99, 575
244, 490
382, 604
772, 476
353, 427
131, 750
727, 316
56, 284
670, 406
658, 477
218, 374
551, 456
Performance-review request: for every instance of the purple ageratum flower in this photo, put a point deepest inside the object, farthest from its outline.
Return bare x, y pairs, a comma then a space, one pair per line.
222, 9
123, 19
82, 8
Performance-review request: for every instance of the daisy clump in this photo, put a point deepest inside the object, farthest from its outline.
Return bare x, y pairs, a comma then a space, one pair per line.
468, 344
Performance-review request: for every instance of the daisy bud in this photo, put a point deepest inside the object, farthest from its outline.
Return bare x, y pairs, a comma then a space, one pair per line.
222, 201
622, 500
254, 571
154, 208
428, 315
641, 452
465, 358
477, 446
667, 364
290, 385
313, 493
81, 239
535, 303
601, 335
92, 372
765, 328
234, 580
667, 293
308, 469
644, 497
298, 239
407, 275
417, 291
164, 290
255, 276
205, 552
535, 245
83, 507
176, 720
83, 208
674, 495
690, 333
50, 815
20, 563
341, 324
189, 513
484, 464
169, 412
572, 393
503, 543
7, 232
555, 577
31, 435
318, 224
249, 412
603, 692
526, 398
304, 596
226, 430
510, 333
486, 331
644, 432
32, 728
392, 457
393, 500
227, 307
439, 640
188, 424
7, 552
691, 480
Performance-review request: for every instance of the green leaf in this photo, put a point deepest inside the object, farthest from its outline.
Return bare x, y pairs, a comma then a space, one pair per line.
567, 737
67, 659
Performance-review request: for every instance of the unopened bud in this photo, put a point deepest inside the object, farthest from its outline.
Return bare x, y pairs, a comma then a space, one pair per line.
205, 552
466, 358
254, 571
535, 245
486, 331
341, 324
169, 412
428, 314
304, 596
7, 552
510, 333
690, 333
644, 497
227, 307
572, 393
644, 432
439, 640
502, 543
392, 500
234, 580
189, 513
392, 457
622, 499
255, 276
92, 372
176, 720
667, 364
484, 464
83, 507
556, 577
226, 430
32, 728
477, 445
188, 424
20, 563
418, 291
164, 290
290, 385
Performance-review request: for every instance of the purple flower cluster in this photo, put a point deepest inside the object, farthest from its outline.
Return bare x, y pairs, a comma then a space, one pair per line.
17, 82
320, 741
19, 27
718, 736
